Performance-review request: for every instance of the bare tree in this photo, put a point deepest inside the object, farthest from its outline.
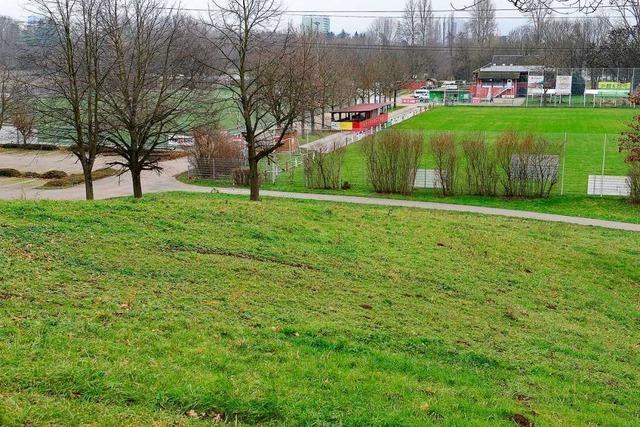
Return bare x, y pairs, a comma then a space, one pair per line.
6, 92
482, 25
425, 22
151, 85
384, 31
10, 38
73, 71
23, 113
539, 15
410, 23
256, 61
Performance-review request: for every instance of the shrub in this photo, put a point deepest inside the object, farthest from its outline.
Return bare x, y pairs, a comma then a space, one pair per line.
630, 144
78, 178
54, 174
443, 148
35, 147
507, 147
528, 166
322, 169
480, 166
634, 182
544, 159
31, 175
240, 177
392, 161
214, 153
10, 173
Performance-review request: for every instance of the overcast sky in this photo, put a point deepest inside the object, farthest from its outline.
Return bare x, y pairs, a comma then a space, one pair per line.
17, 8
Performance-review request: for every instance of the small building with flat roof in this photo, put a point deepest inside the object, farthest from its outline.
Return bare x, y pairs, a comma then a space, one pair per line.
502, 81
361, 117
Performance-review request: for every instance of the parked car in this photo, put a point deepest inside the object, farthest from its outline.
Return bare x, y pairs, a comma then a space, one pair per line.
421, 93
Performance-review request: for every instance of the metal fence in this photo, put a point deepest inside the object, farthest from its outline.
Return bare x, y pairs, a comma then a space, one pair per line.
585, 164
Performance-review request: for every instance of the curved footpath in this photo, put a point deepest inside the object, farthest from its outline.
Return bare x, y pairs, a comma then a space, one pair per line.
166, 182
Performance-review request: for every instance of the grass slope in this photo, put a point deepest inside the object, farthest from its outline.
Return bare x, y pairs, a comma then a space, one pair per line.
192, 308
538, 120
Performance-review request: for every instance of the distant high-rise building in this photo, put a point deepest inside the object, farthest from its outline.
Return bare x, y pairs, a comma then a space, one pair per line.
321, 24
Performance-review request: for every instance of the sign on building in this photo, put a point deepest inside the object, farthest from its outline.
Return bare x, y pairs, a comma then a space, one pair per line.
563, 85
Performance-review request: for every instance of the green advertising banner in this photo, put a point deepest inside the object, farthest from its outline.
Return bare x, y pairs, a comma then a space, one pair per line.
614, 85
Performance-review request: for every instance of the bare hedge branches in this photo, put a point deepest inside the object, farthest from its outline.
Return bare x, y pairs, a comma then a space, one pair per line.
514, 166
392, 159
481, 166
322, 169
445, 153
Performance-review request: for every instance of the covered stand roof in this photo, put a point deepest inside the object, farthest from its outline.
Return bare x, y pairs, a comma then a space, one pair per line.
494, 71
362, 108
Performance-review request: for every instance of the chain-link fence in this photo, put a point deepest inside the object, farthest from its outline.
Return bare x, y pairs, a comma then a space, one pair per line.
583, 164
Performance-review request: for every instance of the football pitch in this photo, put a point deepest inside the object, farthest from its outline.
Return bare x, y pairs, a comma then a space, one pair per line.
521, 119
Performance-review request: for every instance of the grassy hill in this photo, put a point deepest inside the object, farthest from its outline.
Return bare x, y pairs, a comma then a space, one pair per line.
194, 308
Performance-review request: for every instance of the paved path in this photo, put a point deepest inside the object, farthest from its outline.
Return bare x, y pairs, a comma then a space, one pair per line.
441, 207
166, 182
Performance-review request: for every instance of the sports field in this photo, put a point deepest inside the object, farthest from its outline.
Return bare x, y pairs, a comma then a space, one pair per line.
588, 138
538, 120
195, 309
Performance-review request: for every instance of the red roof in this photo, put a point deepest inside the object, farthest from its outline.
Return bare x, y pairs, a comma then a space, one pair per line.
362, 108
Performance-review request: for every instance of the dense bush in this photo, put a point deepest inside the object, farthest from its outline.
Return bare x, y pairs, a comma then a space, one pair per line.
54, 174
31, 175
445, 153
10, 173
480, 166
323, 169
392, 160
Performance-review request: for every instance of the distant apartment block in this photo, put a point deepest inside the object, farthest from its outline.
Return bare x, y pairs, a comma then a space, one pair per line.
322, 24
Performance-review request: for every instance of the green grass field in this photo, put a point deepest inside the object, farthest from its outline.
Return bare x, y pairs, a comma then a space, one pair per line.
537, 120
590, 133
187, 309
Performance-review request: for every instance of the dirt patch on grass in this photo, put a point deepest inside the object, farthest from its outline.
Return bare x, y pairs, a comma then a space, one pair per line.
78, 178
521, 421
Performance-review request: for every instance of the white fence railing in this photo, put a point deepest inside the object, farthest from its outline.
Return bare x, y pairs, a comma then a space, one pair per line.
600, 185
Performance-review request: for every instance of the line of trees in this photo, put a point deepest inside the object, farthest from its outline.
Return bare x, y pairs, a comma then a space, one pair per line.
126, 76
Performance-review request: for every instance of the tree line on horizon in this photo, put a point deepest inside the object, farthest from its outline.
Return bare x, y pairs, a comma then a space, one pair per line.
126, 76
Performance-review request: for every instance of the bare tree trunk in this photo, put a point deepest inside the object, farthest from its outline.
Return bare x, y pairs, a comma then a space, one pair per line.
137, 183
88, 181
312, 115
254, 180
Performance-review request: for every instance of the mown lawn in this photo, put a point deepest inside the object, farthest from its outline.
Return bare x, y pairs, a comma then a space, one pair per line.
537, 120
185, 309
591, 137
